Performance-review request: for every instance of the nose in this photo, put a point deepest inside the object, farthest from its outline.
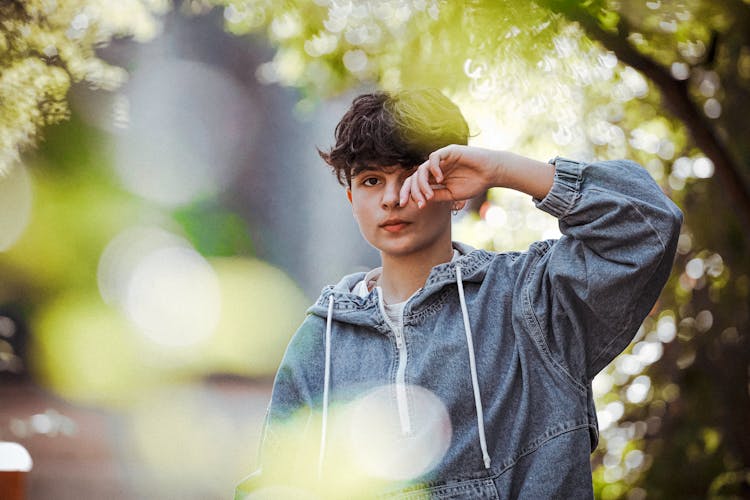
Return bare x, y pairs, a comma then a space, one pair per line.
391, 194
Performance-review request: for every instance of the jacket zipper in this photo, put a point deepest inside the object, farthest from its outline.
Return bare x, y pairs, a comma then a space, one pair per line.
403, 408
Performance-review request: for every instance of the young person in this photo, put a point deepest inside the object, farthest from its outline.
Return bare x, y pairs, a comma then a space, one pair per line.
507, 343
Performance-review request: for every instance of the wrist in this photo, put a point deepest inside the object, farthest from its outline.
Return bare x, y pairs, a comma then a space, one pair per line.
499, 171
523, 174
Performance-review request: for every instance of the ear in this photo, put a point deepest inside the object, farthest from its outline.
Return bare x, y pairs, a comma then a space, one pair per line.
459, 205
349, 194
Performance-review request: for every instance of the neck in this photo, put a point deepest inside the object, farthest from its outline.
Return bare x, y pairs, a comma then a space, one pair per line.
404, 275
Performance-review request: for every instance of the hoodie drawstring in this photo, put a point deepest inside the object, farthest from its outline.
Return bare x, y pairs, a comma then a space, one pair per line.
326, 384
473, 365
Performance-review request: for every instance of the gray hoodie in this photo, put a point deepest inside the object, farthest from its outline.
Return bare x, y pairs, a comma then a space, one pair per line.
505, 344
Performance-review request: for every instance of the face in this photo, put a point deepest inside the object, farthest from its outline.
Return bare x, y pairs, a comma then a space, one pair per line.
395, 230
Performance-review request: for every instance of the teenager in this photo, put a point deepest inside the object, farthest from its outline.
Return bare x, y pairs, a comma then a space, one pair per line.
506, 343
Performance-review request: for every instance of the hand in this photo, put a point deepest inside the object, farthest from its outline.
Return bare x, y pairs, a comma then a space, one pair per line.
452, 173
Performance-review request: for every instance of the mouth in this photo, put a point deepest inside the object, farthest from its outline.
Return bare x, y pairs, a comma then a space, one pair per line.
394, 225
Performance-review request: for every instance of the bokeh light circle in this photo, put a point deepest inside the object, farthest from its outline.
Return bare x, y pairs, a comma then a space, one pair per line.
376, 440
121, 256
261, 307
164, 287
173, 297
189, 128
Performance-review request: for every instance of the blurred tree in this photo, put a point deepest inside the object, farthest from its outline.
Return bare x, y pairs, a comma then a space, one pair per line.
664, 82
45, 46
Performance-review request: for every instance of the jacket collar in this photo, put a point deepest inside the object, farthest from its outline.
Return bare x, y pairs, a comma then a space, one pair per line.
351, 308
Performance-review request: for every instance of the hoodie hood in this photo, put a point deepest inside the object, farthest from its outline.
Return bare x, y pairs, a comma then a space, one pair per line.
350, 308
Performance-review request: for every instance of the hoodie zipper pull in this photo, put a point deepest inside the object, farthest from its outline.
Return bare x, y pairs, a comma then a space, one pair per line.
399, 340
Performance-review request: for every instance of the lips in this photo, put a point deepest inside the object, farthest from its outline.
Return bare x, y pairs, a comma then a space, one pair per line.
394, 225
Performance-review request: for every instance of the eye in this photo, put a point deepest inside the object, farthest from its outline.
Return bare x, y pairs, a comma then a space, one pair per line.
370, 181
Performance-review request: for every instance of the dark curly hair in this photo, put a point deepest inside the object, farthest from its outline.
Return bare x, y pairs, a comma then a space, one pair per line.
399, 128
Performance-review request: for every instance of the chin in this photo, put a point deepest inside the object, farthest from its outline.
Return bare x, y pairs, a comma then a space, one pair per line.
398, 248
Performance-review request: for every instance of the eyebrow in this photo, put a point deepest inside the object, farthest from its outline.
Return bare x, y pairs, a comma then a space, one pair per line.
363, 168
370, 168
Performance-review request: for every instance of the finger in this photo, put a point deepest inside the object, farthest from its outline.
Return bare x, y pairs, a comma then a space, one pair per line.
416, 193
434, 164
436, 158
405, 192
436, 171
423, 182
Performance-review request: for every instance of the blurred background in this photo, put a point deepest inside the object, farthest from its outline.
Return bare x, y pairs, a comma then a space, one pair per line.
165, 219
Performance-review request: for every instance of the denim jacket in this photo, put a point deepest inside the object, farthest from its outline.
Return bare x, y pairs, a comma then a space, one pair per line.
508, 343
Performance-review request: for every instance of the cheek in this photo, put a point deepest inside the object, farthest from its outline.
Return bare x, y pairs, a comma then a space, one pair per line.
439, 209
361, 215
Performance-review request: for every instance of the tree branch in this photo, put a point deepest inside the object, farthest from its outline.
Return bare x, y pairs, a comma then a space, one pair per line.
675, 96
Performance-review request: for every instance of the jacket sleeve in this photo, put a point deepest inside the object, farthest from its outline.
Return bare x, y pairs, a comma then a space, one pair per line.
588, 292
287, 416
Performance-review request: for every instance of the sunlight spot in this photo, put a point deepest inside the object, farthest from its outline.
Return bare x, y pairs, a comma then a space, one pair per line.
634, 459
668, 26
496, 217
321, 44
608, 59
695, 268
629, 364
601, 384
634, 81
648, 352
173, 297
121, 256
638, 390
712, 108
714, 265
703, 168
376, 440
684, 243
666, 329
707, 87
285, 26
704, 320
41, 423
680, 70
355, 60
189, 126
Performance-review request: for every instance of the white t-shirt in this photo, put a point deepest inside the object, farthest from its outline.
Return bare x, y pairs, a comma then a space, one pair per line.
395, 312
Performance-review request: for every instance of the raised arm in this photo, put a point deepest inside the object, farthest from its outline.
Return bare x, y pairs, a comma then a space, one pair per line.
456, 173
588, 292
593, 287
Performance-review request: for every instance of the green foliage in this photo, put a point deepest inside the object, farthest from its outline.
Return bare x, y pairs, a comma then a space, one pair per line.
47, 45
213, 231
